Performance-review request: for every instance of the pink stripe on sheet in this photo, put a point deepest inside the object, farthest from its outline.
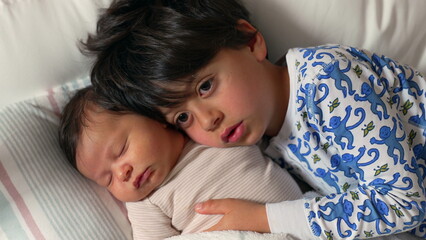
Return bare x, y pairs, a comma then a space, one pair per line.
53, 102
17, 198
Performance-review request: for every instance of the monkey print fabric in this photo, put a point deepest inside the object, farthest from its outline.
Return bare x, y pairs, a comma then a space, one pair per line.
355, 131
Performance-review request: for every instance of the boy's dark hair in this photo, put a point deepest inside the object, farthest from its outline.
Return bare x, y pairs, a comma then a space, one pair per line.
145, 48
73, 118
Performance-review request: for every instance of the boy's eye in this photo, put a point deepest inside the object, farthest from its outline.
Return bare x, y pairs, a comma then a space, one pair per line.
183, 120
205, 87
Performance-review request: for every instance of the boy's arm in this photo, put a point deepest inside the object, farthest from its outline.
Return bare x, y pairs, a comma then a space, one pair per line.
249, 216
390, 195
372, 145
238, 215
149, 221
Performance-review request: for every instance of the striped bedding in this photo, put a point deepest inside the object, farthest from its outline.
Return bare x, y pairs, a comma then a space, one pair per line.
41, 195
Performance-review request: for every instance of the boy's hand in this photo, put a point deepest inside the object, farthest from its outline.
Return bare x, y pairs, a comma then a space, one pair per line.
237, 215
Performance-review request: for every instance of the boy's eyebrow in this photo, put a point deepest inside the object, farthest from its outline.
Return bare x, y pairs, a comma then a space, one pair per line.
166, 112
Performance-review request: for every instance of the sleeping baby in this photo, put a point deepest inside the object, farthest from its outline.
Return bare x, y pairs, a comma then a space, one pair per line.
159, 172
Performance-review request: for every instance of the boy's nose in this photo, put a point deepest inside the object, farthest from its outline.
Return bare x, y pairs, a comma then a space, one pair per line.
125, 173
210, 120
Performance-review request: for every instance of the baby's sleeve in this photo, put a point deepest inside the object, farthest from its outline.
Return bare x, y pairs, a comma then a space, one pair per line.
149, 221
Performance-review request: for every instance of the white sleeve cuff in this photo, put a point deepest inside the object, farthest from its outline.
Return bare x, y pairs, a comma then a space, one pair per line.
289, 217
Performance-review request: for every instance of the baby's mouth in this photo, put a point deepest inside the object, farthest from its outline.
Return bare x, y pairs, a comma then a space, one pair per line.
141, 179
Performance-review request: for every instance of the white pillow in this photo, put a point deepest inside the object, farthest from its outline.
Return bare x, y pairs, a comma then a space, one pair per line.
38, 44
38, 40
394, 28
41, 195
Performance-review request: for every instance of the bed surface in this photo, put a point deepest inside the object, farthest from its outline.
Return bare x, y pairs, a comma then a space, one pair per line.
40, 66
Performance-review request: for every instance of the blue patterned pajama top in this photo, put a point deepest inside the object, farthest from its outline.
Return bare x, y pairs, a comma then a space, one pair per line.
355, 131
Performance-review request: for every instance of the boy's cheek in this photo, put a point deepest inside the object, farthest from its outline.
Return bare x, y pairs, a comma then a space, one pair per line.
202, 137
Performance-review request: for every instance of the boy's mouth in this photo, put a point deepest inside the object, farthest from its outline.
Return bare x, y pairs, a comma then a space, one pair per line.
141, 179
233, 133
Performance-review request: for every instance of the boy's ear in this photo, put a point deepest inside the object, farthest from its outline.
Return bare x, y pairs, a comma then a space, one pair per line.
257, 43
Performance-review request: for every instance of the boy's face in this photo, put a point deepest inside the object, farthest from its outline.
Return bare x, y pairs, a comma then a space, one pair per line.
232, 102
129, 154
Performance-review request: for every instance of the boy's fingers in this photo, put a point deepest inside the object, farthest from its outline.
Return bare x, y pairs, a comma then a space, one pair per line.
215, 206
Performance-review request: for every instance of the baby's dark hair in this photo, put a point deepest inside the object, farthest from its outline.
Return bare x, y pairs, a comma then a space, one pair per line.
145, 48
71, 123
73, 119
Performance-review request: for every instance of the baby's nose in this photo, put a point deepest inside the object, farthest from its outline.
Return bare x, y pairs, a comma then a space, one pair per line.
125, 173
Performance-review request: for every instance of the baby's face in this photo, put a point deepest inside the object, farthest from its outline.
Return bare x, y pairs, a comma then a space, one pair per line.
129, 154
